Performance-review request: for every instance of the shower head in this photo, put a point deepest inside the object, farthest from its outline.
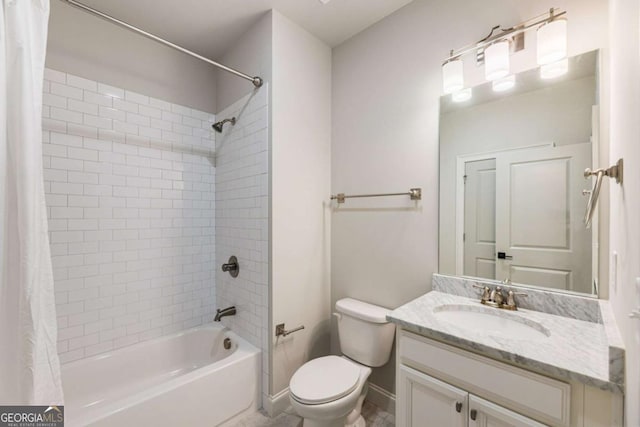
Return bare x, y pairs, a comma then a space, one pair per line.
218, 125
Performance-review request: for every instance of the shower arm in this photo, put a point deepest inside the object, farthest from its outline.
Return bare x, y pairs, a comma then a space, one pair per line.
257, 81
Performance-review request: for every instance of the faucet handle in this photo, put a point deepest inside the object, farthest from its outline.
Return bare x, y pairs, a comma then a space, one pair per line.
511, 301
485, 291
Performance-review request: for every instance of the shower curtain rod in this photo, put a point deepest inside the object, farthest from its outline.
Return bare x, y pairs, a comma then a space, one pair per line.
257, 81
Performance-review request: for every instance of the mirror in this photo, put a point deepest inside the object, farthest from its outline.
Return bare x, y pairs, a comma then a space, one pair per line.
512, 191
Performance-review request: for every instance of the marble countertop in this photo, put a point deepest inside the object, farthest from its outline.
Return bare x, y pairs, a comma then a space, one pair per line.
574, 349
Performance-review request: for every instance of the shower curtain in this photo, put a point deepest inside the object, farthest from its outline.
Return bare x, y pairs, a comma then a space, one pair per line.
29, 364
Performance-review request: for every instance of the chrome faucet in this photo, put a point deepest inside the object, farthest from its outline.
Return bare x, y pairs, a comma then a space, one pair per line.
496, 298
229, 311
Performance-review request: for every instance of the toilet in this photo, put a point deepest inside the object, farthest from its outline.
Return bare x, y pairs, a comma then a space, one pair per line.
329, 391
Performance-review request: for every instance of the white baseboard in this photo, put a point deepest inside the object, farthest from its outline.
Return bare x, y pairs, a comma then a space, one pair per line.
382, 398
277, 404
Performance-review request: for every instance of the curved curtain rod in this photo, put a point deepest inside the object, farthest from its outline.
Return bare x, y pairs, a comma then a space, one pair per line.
257, 81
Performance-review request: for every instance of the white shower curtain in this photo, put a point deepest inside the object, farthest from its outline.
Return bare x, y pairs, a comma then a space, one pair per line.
29, 364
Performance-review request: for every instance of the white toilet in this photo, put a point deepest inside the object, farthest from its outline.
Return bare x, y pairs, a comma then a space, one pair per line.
329, 391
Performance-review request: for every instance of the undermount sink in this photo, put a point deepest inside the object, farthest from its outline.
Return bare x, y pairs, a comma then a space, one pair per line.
491, 321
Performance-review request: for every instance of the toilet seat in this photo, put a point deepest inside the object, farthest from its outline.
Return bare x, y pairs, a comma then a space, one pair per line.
324, 379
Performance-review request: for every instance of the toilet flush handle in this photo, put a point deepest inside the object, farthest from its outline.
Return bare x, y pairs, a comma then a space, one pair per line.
338, 316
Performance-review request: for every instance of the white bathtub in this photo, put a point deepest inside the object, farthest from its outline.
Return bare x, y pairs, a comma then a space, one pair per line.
185, 379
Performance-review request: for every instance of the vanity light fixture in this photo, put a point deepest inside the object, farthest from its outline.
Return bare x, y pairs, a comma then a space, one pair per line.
504, 83
461, 95
555, 69
494, 50
551, 40
496, 60
452, 76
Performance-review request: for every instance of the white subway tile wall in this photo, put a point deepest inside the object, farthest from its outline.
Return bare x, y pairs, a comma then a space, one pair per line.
242, 220
130, 187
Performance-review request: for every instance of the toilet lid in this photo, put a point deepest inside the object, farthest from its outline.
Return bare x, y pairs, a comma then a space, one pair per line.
324, 379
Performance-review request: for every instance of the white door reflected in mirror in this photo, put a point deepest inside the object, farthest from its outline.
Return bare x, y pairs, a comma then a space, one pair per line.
523, 217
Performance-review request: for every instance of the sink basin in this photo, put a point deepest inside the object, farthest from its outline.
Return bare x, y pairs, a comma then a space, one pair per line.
491, 321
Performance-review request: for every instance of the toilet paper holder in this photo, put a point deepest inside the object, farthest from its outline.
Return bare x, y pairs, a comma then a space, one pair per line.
281, 331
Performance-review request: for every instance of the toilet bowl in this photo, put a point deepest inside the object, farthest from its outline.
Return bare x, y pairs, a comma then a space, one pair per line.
326, 390
329, 391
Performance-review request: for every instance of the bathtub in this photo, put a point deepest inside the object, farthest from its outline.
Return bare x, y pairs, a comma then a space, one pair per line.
184, 379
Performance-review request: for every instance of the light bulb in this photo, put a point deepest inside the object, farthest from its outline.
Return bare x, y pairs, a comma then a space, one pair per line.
452, 76
555, 69
496, 60
552, 42
504, 83
461, 95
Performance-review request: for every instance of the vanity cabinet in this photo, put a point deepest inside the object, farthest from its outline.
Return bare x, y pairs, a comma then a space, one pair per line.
427, 401
442, 385
483, 413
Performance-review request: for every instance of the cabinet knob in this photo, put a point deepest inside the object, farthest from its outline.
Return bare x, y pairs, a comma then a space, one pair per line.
458, 406
473, 414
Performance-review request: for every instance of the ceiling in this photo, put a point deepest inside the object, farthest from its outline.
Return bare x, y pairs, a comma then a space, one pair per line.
209, 27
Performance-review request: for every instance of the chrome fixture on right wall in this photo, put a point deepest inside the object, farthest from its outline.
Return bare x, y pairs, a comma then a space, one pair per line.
614, 171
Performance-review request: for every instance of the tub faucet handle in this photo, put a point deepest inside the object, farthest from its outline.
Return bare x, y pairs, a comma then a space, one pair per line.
232, 266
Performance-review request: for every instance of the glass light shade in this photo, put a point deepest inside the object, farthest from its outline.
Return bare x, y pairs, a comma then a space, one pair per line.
496, 60
461, 95
504, 83
552, 42
452, 76
555, 69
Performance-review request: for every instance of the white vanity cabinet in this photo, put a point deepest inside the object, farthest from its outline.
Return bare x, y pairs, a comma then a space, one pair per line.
441, 385
427, 401
483, 413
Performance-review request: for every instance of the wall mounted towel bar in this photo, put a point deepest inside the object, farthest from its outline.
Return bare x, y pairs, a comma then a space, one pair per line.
413, 193
614, 171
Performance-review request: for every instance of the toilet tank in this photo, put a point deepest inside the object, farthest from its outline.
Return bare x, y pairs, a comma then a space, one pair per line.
365, 334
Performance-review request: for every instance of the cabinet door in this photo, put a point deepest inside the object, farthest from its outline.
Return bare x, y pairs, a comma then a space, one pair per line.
486, 414
427, 402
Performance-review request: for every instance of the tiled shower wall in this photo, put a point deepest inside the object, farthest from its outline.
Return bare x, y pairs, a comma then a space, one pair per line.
242, 220
130, 186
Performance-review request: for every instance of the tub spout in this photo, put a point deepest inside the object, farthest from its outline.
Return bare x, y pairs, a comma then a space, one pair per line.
220, 313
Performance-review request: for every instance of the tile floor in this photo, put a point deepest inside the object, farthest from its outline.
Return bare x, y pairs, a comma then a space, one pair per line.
374, 416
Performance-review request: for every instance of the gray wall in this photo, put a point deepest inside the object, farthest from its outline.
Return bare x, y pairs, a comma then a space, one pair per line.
95, 49
300, 214
625, 199
386, 89
250, 54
